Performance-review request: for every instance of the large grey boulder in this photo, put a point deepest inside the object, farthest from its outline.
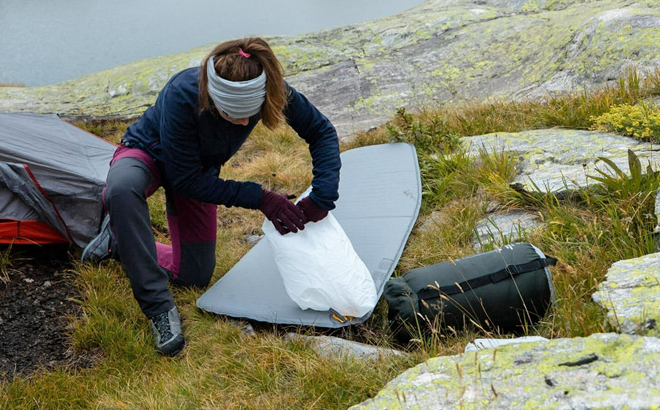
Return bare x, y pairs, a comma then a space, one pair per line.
439, 52
603, 371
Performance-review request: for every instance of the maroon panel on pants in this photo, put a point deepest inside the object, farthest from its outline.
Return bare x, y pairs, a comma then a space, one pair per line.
189, 221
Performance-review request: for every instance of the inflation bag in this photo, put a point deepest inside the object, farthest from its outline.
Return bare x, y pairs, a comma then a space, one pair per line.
321, 270
504, 289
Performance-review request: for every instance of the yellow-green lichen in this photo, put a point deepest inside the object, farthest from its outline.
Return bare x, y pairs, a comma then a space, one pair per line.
477, 380
434, 52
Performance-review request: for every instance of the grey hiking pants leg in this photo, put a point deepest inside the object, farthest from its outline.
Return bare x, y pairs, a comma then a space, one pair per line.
149, 265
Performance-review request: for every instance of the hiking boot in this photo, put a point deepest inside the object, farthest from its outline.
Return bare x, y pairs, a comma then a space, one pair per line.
101, 247
166, 328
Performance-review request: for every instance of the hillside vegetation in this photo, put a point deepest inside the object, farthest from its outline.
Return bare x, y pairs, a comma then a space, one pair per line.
224, 368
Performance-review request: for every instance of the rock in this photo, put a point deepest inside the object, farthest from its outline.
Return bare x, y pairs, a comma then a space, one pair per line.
328, 346
502, 228
657, 212
246, 328
631, 295
480, 344
253, 239
439, 52
601, 371
435, 219
555, 160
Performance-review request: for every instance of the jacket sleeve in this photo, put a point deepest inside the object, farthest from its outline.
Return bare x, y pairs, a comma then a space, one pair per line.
320, 134
182, 158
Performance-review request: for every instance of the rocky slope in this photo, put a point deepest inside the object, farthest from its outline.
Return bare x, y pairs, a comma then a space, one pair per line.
442, 51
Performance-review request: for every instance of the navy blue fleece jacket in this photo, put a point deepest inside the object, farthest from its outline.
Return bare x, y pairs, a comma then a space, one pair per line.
190, 147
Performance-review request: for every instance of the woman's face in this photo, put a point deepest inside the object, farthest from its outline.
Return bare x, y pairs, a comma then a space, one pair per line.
237, 121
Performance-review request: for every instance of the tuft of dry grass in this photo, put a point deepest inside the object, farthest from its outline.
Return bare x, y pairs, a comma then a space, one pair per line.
111, 130
6, 261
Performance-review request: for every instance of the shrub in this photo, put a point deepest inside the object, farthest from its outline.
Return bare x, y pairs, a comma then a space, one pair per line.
638, 121
432, 135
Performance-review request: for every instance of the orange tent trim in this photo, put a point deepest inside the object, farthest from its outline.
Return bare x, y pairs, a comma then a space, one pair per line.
29, 233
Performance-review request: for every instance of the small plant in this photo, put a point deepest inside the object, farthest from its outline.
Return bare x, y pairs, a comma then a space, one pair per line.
629, 201
621, 184
433, 134
638, 121
441, 176
6, 262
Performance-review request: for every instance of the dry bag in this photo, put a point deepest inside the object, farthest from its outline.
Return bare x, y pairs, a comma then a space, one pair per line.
505, 289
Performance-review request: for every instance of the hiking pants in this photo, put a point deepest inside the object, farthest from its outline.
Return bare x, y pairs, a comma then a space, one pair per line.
150, 265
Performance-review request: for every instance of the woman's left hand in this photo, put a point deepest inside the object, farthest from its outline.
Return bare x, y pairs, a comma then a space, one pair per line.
283, 213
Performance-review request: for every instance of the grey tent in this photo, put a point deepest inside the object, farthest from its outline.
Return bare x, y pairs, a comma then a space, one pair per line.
51, 177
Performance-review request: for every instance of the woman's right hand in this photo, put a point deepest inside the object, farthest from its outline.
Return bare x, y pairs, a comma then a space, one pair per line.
284, 214
311, 210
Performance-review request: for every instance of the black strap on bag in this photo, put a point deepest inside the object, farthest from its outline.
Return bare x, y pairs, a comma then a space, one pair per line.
508, 271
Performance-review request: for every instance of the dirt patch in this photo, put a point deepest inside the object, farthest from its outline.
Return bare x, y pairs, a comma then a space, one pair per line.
37, 300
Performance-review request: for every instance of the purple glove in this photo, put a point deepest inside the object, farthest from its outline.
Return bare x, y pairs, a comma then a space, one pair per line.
282, 212
313, 212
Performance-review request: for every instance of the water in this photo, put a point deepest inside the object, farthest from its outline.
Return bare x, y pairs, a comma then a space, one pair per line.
48, 41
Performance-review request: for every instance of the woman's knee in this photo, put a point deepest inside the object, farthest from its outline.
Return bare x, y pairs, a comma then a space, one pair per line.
127, 182
128, 172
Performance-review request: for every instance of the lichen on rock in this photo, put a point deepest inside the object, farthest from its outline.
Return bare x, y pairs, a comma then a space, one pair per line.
440, 52
555, 160
600, 371
631, 295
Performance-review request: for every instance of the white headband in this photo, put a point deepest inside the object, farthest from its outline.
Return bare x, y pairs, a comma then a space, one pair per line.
238, 99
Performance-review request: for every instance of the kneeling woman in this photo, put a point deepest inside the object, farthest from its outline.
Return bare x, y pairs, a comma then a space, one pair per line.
201, 118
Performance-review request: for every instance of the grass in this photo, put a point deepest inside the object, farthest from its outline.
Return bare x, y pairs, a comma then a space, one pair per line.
111, 130
222, 367
6, 262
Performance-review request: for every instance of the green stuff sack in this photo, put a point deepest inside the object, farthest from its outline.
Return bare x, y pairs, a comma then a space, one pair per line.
504, 290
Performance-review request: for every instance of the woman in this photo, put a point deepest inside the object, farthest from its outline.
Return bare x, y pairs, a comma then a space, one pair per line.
201, 118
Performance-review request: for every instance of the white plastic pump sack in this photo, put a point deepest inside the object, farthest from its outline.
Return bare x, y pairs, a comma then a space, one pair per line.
321, 270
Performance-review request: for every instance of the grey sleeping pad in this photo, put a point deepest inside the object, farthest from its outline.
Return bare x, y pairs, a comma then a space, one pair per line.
505, 289
379, 198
